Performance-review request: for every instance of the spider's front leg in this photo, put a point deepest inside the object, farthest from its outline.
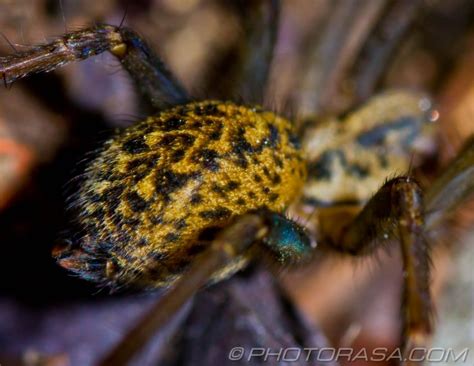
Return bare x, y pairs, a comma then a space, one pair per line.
154, 81
396, 211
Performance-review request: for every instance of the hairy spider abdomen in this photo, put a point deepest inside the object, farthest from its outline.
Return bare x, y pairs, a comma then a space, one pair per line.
157, 191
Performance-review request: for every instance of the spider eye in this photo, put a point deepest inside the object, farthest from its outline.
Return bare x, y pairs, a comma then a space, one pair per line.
287, 240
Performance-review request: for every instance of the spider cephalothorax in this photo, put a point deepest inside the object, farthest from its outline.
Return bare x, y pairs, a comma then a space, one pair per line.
200, 187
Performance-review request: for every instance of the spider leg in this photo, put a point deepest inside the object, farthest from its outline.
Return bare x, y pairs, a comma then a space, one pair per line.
248, 71
150, 74
334, 51
261, 27
452, 188
229, 243
396, 211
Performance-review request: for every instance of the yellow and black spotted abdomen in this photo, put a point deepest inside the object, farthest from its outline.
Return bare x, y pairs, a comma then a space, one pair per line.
158, 188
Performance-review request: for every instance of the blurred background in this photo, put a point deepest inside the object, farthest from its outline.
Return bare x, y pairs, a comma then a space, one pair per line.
330, 57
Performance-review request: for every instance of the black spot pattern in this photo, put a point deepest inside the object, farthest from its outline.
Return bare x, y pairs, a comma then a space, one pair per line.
168, 181
274, 137
183, 140
196, 198
173, 123
208, 159
135, 146
171, 237
136, 203
321, 169
217, 133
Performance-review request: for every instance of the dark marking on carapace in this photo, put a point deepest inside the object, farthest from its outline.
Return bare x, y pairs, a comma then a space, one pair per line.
358, 170
321, 169
376, 136
383, 161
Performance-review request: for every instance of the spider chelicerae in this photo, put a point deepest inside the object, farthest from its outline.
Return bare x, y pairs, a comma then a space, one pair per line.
192, 193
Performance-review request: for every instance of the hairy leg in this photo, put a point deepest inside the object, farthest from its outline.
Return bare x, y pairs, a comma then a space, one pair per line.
153, 80
243, 71
452, 188
256, 52
396, 211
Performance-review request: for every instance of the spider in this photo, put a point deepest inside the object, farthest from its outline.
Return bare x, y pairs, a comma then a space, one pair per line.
188, 196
